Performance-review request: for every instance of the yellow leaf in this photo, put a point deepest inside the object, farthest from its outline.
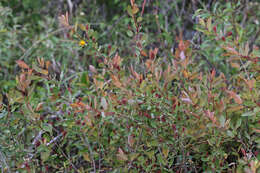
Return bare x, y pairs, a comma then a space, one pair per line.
165, 151
201, 21
235, 108
82, 27
209, 21
135, 9
86, 157
133, 156
44, 72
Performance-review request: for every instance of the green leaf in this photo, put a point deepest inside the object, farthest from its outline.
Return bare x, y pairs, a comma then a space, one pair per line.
238, 124
150, 154
139, 19
47, 128
129, 10
205, 159
104, 103
45, 155
222, 120
247, 114
230, 134
130, 33
39, 70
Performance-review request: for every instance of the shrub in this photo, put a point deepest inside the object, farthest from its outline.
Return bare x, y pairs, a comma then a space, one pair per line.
144, 112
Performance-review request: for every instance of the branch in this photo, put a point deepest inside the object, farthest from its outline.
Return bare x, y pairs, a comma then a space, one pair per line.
252, 41
2, 158
85, 139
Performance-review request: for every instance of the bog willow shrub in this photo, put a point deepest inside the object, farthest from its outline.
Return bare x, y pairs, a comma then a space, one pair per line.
140, 113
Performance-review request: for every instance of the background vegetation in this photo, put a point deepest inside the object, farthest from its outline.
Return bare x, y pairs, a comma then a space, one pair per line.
129, 86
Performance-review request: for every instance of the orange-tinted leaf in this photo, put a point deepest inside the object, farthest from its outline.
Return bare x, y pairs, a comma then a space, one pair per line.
22, 64
117, 60
165, 151
39, 106
193, 114
185, 73
209, 23
231, 50
211, 116
143, 53
64, 20
200, 76
92, 69
194, 75
121, 155
236, 97
148, 63
74, 105
44, 72
256, 130
135, 74
109, 113
213, 73
88, 120
235, 108
116, 81
251, 83
99, 84
40, 62
132, 2
220, 106
181, 45
86, 157
83, 105
131, 140
47, 64
235, 65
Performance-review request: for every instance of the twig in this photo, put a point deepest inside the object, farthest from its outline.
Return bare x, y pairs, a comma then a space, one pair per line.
111, 26
245, 14
54, 139
2, 158
39, 41
85, 139
38, 137
34, 142
252, 40
74, 167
